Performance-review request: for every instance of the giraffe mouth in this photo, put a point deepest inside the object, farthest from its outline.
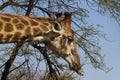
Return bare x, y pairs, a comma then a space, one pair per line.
73, 63
74, 66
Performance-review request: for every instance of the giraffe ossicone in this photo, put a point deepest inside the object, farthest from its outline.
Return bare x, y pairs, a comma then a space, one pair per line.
56, 35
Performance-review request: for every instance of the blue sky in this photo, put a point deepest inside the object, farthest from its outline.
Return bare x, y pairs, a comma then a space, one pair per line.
111, 48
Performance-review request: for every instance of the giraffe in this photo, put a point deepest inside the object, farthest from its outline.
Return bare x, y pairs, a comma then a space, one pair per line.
56, 35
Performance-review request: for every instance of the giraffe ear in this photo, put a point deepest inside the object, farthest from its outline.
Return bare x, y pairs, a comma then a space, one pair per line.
56, 27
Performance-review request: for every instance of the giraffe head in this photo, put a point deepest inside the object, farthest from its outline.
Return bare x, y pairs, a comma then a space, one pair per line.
64, 44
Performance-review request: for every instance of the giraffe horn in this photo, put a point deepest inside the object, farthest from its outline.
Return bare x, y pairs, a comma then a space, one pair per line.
67, 15
67, 20
59, 16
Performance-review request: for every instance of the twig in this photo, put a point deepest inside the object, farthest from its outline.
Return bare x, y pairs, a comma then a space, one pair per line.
52, 71
10, 61
30, 7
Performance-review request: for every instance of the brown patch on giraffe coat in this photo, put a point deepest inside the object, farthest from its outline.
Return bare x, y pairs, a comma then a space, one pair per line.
19, 26
15, 21
41, 19
5, 19
24, 22
63, 42
17, 35
44, 28
1, 36
1, 26
8, 27
47, 24
28, 31
33, 23
9, 15
23, 38
8, 37
37, 31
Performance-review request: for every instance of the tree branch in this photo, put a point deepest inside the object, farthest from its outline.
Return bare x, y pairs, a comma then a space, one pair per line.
52, 71
4, 5
30, 7
10, 61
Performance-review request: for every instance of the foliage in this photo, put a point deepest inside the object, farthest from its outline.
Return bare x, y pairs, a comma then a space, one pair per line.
106, 7
28, 59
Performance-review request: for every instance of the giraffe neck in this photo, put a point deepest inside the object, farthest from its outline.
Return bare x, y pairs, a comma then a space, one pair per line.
15, 28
